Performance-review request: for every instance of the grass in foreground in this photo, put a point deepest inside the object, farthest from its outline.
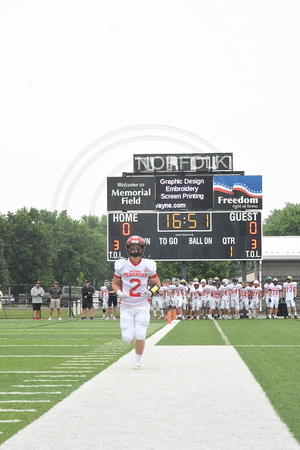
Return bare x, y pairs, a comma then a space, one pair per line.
42, 362
270, 348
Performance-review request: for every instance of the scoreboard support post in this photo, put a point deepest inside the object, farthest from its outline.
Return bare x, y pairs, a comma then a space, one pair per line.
183, 270
244, 271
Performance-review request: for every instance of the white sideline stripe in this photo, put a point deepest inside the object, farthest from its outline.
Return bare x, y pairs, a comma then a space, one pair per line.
219, 367
17, 410
25, 401
43, 371
224, 337
43, 380
28, 393
36, 356
42, 345
10, 421
58, 376
41, 385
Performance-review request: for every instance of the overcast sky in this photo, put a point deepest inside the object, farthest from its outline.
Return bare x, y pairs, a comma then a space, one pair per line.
87, 84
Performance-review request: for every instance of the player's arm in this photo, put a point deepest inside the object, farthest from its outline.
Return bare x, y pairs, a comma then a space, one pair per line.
116, 284
295, 291
156, 285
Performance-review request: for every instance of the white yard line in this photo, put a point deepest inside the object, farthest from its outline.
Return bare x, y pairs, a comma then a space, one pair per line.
196, 397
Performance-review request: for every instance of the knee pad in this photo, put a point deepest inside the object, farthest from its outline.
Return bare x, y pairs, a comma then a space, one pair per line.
128, 339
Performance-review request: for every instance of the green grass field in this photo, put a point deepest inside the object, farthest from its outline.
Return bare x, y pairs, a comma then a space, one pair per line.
270, 349
42, 362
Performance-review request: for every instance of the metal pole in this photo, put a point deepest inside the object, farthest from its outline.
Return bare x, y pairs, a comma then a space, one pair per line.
183, 270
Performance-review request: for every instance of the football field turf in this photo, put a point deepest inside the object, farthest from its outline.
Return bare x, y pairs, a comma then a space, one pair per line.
41, 363
270, 349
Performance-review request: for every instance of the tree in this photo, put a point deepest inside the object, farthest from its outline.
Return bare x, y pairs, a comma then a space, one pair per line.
284, 222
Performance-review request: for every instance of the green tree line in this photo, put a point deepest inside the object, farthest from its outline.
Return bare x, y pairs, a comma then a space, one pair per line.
43, 245
50, 245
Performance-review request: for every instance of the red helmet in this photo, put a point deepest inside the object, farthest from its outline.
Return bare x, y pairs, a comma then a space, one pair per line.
135, 240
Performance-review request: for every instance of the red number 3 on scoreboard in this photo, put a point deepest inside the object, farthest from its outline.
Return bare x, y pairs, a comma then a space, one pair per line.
132, 292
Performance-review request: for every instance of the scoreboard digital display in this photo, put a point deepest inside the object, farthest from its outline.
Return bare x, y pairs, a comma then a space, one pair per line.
186, 236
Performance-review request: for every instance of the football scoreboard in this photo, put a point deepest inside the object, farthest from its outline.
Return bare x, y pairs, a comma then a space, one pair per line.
188, 235
191, 207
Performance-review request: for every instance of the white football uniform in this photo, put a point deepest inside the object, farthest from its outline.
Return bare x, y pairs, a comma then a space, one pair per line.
275, 295
289, 293
134, 307
177, 295
195, 297
218, 294
166, 295
245, 298
234, 291
225, 297
255, 296
104, 296
135, 280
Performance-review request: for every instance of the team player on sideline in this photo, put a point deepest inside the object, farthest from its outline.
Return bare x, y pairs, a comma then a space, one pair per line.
276, 294
290, 294
104, 296
267, 295
255, 296
157, 302
195, 296
131, 284
177, 290
245, 300
235, 294
225, 298
167, 294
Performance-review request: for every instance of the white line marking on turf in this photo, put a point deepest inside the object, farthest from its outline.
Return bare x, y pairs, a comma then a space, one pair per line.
43, 371
224, 337
17, 410
28, 393
41, 385
25, 401
10, 421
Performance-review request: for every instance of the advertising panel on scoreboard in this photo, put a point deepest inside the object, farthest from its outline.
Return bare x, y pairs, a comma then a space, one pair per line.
131, 193
184, 192
237, 192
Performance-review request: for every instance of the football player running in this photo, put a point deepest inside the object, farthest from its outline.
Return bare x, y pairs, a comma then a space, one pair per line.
130, 282
290, 294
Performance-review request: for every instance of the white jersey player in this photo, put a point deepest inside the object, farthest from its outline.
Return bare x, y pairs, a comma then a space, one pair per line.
195, 297
255, 296
130, 282
167, 295
276, 295
290, 294
225, 298
205, 296
244, 304
235, 294
157, 303
177, 290
267, 295
185, 293
104, 294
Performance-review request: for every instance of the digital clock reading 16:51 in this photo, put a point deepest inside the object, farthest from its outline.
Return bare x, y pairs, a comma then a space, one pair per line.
184, 221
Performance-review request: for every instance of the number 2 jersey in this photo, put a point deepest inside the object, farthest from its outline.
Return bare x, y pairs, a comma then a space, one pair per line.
135, 279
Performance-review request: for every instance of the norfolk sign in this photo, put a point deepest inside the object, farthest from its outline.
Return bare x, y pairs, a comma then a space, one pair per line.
193, 162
